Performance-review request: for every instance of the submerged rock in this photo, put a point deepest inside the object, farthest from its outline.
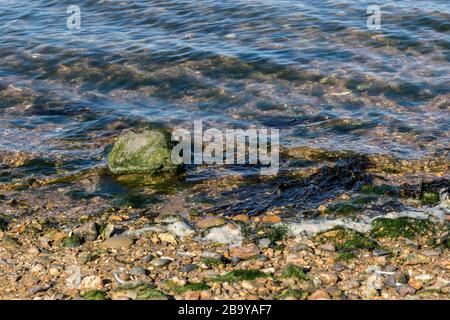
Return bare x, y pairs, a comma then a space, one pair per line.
142, 153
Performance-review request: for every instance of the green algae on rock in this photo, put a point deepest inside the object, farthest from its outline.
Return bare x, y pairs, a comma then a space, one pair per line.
241, 274
148, 152
347, 239
293, 271
401, 227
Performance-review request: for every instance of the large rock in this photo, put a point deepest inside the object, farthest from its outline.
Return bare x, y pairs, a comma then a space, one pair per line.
148, 152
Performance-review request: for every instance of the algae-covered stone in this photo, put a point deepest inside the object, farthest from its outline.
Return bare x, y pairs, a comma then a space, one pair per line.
148, 152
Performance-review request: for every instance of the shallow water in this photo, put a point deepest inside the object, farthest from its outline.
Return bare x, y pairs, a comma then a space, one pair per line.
309, 68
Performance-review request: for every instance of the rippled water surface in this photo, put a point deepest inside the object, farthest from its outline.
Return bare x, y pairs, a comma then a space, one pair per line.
309, 68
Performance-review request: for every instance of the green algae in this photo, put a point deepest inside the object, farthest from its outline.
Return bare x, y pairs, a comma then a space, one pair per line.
400, 227
345, 256
347, 239
293, 271
181, 289
382, 190
72, 241
291, 293
94, 295
342, 209
278, 233
3, 223
430, 198
241, 274
148, 153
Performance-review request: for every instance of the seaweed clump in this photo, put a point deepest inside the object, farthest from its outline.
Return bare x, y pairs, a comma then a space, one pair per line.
347, 239
401, 227
241, 274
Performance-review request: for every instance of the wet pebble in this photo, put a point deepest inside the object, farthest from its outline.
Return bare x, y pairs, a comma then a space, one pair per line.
404, 290
189, 267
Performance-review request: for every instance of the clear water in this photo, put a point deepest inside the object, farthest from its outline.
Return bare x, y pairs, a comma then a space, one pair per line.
309, 68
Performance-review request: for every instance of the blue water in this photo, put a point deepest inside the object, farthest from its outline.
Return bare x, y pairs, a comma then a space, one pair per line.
309, 68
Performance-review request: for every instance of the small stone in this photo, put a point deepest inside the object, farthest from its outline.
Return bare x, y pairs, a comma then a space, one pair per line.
159, 262
212, 255
33, 250
414, 259
264, 243
319, 295
37, 268
205, 295
121, 276
91, 283
210, 222
328, 247
404, 290
369, 292
353, 284
118, 242
338, 267
390, 268
389, 281
431, 253
375, 281
188, 268
87, 231
167, 237
192, 295
241, 218
247, 285
328, 277
379, 260
245, 252
380, 252
400, 277
416, 284
138, 271
271, 219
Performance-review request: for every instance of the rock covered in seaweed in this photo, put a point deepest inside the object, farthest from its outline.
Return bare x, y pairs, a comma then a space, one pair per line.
147, 152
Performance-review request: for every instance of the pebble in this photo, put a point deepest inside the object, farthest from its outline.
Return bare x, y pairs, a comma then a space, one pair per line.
380, 252
319, 295
189, 267
91, 283
353, 284
416, 284
241, 218
118, 242
159, 262
245, 252
264, 243
375, 281
271, 219
210, 222
338, 267
88, 231
404, 290
211, 255
414, 259
33, 250
327, 277
431, 253
328, 247
167, 237
138, 271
